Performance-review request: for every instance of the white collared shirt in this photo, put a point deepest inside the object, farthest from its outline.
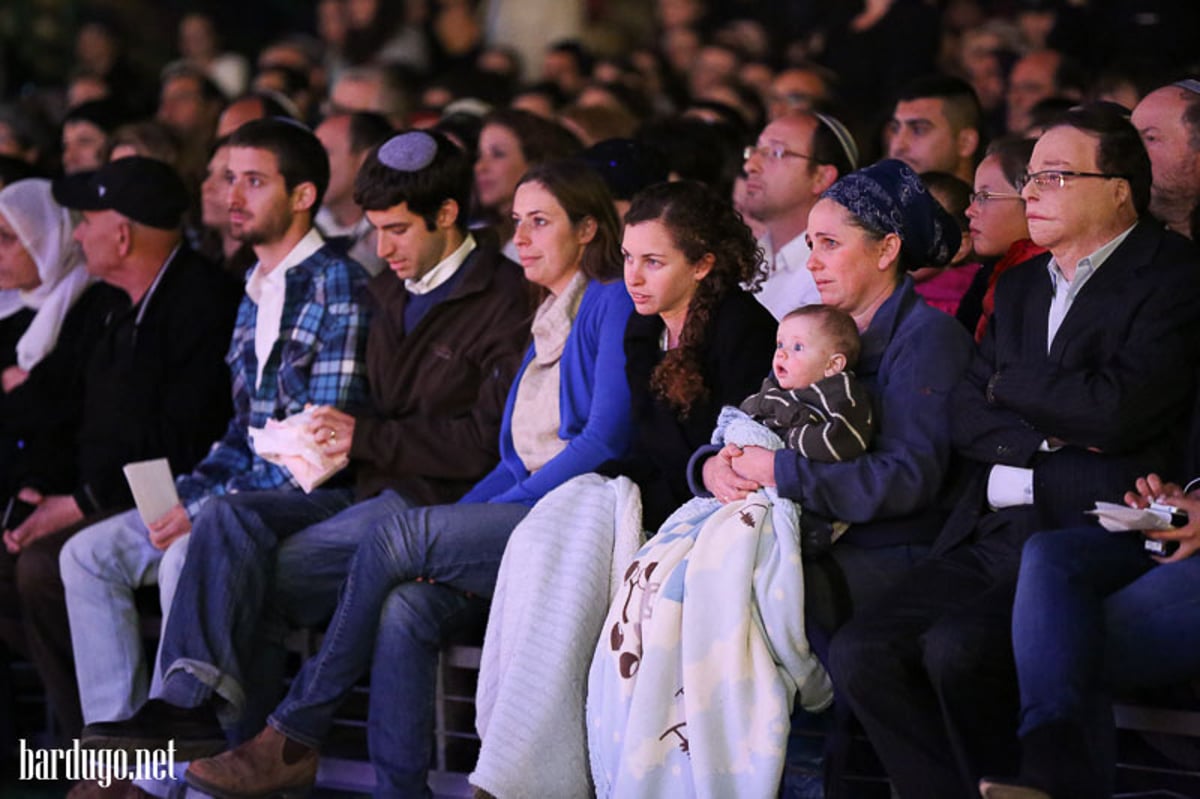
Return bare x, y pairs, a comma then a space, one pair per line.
268, 290
789, 284
1009, 486
444, 270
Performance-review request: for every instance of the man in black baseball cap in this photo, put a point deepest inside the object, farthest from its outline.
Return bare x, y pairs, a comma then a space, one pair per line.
154, 385
132, 214
145, 190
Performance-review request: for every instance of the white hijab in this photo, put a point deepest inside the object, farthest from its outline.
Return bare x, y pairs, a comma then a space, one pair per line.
44, 228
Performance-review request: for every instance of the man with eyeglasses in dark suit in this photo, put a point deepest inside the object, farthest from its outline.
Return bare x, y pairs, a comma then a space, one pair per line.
1085, 372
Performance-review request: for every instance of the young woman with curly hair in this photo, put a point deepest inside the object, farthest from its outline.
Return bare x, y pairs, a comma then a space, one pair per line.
698, 341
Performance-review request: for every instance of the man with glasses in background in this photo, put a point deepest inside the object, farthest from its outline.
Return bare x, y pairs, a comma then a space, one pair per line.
797, 157
1083, 381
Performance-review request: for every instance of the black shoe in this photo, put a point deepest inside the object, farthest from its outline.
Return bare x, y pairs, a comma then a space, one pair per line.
195, 731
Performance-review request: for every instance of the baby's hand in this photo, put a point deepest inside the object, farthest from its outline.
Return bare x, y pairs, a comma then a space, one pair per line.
729, 452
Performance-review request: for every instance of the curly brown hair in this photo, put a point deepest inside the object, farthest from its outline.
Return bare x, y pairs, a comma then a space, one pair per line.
700, 222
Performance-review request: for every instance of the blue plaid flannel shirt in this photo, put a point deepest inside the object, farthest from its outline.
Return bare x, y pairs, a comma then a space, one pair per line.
319, 358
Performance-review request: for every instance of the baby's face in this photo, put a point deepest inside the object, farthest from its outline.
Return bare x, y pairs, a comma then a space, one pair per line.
803, 353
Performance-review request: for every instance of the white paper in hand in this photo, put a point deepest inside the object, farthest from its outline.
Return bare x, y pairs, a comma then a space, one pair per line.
1119, 518
153, 488
289, 444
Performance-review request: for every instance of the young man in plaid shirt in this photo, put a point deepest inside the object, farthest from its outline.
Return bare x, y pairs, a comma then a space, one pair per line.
447, 337
300, 338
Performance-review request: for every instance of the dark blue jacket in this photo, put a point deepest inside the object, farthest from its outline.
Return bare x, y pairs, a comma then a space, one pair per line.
912, 357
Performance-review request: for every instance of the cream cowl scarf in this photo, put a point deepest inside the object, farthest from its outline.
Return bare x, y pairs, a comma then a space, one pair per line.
44, 229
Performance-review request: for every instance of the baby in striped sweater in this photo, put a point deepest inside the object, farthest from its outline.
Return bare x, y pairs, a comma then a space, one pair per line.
812, 400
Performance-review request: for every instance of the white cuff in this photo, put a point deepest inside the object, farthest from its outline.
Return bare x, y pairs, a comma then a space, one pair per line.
1009, 486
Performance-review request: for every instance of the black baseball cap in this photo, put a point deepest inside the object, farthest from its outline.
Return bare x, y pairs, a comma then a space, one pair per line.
144, 189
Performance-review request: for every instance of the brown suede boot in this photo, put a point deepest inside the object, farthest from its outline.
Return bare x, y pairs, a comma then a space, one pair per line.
270, 764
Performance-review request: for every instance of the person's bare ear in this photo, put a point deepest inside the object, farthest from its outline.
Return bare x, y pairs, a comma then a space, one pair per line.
124, 238
1124, 192
447, 214
586, 229
304, 197
968, 142
702, 267
889, 252
837, 364
827, 175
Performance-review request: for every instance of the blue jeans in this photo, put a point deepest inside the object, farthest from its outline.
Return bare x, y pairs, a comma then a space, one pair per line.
1094, 613
385, 615
214, 635
102, 566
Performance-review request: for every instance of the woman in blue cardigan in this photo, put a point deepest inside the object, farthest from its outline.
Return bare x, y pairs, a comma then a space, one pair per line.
420, 573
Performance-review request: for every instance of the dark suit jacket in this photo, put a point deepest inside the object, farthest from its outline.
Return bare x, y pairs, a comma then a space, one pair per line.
1117, 385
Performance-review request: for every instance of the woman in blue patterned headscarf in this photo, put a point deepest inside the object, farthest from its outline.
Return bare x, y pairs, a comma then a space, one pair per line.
865, 232
902, 227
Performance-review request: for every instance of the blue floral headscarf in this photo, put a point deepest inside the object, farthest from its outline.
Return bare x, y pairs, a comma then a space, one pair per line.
888, 196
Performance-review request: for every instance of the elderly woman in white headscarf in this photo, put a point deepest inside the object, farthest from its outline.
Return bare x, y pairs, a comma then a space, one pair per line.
44, 266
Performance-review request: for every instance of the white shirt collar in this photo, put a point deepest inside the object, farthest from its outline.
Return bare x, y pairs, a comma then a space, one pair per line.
1087, 265
1064, 292
792, 256
443, 271
258, 281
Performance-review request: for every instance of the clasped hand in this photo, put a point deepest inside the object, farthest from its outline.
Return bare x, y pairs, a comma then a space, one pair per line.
51, 514
735, 472
332, 430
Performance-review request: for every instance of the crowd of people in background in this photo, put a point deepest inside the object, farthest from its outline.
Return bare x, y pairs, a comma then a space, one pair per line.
547, 297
